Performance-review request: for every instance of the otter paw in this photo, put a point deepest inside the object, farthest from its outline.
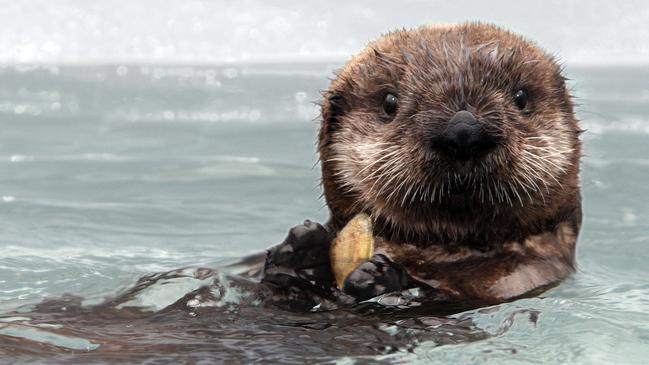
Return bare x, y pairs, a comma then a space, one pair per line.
375, 277
303, 257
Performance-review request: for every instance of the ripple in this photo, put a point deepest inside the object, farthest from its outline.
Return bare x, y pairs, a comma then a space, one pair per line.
35, 334
110, 157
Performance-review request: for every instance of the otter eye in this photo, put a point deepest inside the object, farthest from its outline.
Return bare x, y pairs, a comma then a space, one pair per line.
520, 98
390, 103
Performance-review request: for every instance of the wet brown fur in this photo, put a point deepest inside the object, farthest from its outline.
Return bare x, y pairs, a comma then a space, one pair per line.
499, 227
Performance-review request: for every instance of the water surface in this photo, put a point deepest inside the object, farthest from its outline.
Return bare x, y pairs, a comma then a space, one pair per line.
117, 173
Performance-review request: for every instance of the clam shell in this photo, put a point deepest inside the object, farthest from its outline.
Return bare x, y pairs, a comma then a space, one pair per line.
353, 245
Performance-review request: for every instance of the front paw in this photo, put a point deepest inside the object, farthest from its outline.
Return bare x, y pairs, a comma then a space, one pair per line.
375, 277
302, 258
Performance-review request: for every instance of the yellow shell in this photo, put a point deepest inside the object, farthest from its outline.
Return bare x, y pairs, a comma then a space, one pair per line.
353, 246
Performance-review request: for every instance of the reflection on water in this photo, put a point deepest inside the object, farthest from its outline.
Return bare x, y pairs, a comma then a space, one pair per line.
201, 314
113, 177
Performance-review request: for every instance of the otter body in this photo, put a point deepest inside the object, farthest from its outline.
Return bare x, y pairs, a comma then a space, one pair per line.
461, 144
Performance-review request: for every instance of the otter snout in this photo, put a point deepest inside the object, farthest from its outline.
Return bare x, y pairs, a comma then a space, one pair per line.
464, 137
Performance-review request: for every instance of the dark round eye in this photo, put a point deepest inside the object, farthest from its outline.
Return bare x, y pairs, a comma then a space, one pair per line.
390, 103
520, 98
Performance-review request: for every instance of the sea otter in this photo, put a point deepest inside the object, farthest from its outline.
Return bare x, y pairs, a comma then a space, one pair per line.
462, 145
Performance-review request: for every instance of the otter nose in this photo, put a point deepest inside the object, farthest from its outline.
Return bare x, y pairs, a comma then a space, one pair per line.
464, 137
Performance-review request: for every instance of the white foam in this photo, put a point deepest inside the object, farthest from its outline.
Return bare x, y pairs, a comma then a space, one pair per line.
628, 125
90, 156
109, 157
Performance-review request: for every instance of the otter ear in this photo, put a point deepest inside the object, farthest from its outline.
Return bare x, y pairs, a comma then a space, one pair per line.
334, 106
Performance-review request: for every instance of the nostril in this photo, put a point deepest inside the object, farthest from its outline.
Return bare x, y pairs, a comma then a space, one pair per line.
473, 147
452, 146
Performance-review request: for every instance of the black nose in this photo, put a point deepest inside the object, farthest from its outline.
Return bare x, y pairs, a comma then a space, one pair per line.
464, 137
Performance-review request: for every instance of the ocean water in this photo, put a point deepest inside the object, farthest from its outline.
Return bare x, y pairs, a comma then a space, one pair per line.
112, 176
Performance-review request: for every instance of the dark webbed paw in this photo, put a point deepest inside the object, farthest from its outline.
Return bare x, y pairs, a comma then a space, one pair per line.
375, 277
302, 259
299, 270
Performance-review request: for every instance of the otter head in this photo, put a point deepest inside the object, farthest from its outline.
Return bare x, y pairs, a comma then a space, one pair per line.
450, 134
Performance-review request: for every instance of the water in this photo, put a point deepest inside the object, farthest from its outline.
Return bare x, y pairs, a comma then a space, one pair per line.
112, 173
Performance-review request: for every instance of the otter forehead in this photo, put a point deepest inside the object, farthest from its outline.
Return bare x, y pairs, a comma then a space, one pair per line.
433, 60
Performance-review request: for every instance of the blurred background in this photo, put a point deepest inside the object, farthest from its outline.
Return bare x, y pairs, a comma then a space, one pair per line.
143, 136
199, 32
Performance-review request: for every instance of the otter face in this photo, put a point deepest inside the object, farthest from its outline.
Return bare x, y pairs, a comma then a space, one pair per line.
432, 130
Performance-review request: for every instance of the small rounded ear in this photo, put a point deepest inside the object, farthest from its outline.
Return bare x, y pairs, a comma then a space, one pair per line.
334, 106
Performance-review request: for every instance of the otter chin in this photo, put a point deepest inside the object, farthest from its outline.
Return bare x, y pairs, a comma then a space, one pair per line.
462, 145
